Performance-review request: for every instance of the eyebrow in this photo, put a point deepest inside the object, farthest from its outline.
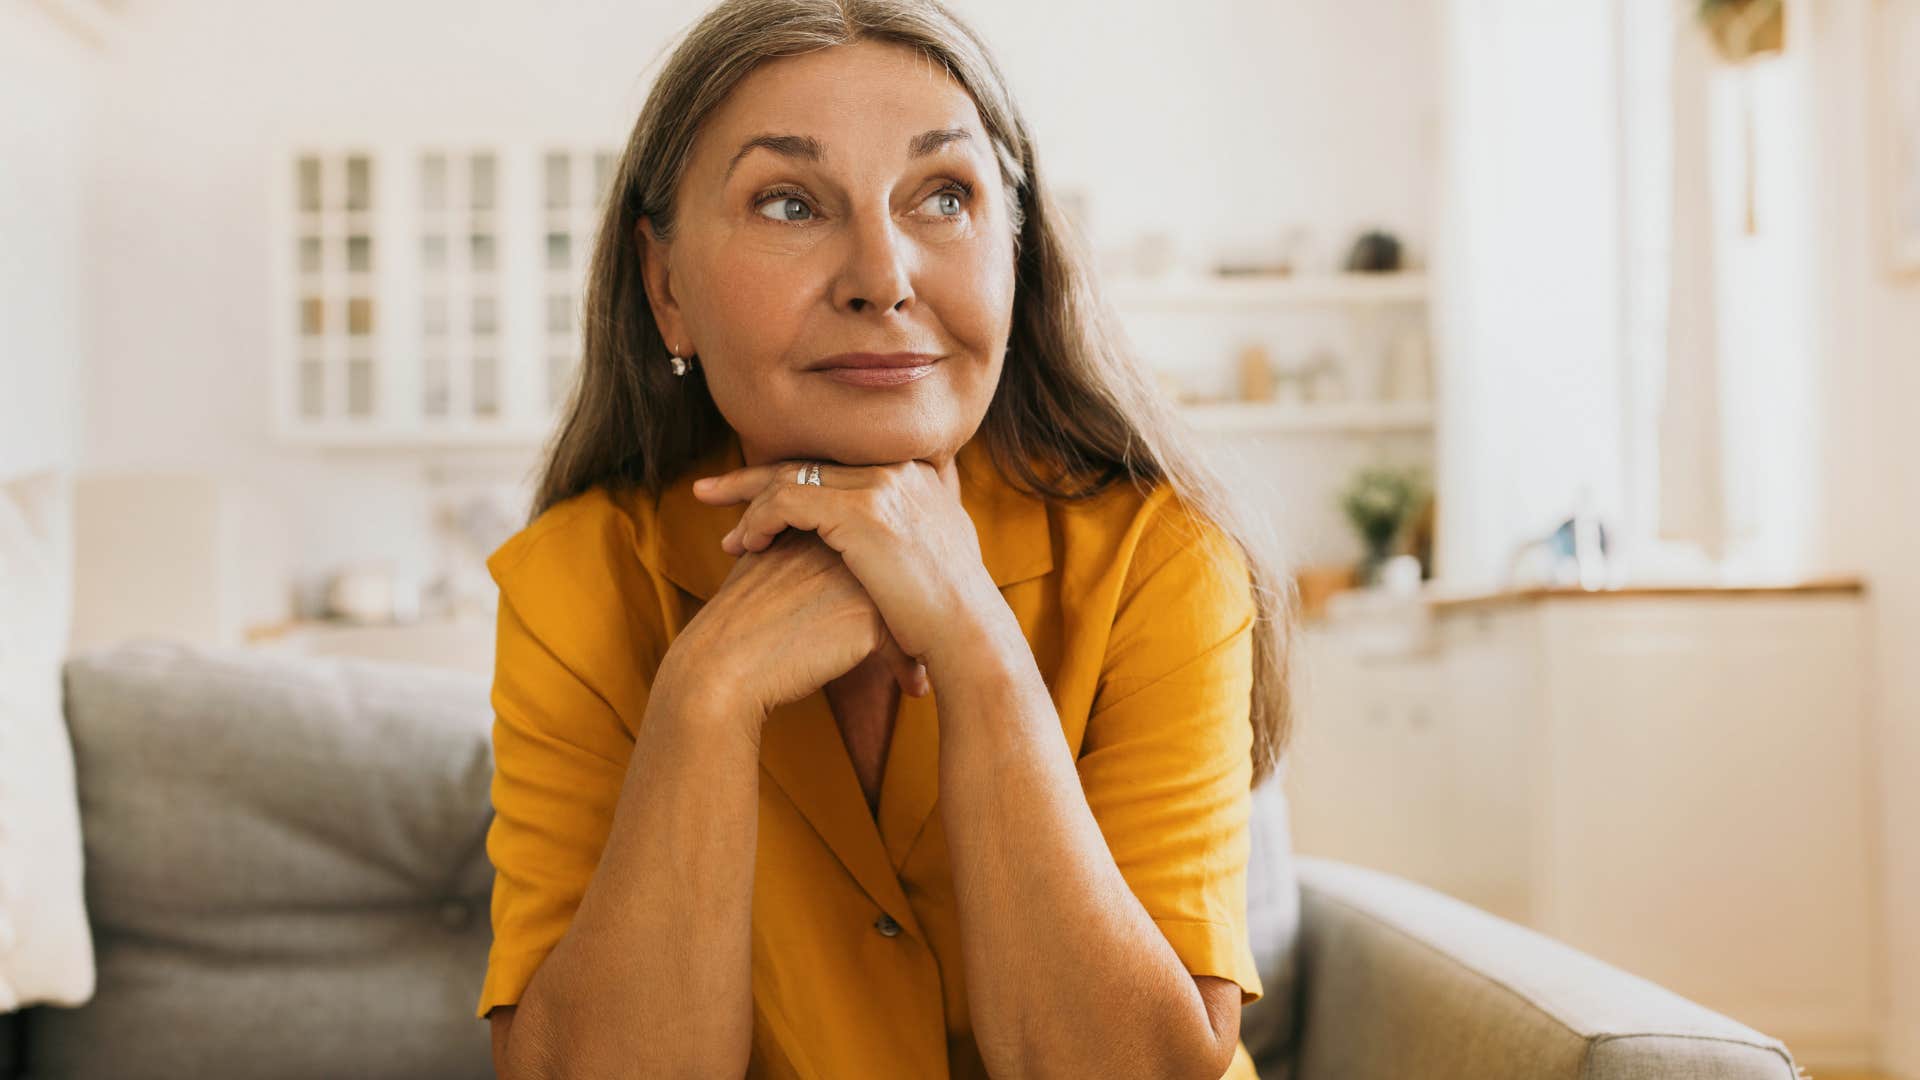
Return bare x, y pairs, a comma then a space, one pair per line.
808, 148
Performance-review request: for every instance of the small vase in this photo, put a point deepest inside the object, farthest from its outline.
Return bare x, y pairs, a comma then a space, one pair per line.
1378, 552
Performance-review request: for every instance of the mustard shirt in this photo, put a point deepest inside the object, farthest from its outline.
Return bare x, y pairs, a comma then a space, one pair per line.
1147, 652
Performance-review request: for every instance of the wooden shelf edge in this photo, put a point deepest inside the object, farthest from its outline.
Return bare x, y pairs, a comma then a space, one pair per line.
1210, 292
1324, 416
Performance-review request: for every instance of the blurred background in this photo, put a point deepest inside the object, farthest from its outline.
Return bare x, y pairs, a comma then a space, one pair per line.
1569, 347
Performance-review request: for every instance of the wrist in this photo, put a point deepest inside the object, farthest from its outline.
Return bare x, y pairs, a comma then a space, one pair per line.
703, 700
985, 635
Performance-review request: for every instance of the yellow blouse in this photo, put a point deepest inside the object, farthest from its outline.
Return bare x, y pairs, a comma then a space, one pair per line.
1147, 651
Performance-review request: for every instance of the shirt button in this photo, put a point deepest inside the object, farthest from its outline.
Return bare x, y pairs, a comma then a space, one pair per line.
887, 926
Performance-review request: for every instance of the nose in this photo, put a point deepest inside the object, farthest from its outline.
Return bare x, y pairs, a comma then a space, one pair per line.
878, 272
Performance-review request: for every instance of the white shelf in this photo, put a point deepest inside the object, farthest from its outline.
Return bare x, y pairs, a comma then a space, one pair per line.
470, 436
1238, 416
1182, 293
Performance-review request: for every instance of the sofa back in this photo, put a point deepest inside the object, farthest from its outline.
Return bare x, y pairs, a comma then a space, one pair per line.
285, 867
287, 876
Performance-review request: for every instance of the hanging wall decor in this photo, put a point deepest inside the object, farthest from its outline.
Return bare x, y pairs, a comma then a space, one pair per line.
1743, 29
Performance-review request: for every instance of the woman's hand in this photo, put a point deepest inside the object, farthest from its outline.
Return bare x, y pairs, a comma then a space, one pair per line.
900, 529
787, 620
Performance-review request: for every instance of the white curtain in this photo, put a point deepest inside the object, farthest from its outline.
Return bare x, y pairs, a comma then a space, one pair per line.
1691, 502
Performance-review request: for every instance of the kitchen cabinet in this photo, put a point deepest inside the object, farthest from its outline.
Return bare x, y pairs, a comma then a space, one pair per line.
1678, 781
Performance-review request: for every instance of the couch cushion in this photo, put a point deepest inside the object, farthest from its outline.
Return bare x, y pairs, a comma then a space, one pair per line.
285, 866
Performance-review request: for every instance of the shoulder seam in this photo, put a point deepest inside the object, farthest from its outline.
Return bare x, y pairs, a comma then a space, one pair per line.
546, 527
1137, 576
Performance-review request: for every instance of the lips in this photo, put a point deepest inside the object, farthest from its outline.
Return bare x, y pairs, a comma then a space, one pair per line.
875, 360
895, 370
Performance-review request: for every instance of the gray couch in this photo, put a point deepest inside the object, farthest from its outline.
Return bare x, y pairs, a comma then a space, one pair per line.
286, 877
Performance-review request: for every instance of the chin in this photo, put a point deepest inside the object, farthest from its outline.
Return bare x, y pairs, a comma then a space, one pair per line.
856, 443
875, 450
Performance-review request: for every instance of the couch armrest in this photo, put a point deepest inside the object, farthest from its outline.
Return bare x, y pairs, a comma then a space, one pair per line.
1401, 980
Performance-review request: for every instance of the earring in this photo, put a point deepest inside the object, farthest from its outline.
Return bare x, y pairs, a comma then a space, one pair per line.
680, 366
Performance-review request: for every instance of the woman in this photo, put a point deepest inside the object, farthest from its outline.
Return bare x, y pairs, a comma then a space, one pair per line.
880, 680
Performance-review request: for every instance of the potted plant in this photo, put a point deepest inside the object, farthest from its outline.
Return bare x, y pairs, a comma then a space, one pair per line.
1379, 501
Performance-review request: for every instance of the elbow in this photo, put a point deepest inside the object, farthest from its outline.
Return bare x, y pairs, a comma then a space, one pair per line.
1204, 1062
523, 1051
1204, 1051
1199, 1057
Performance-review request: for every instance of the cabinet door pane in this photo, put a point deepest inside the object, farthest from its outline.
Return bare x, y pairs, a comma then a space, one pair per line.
312, 388
360, 387
486, 401
309, 183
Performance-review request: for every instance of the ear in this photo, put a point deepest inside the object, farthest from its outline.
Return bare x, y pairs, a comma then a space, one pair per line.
653, 276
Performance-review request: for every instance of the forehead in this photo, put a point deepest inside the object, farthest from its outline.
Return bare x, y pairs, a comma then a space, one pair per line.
859, 99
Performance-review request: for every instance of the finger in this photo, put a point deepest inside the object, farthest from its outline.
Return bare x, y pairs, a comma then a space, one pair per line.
778, 509
910, 673
747, 481
735, 485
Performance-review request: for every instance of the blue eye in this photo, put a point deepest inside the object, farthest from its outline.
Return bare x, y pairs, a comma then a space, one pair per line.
957, 193
960, 192
782, 198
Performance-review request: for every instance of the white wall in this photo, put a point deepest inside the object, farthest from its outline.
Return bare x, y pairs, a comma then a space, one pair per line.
49, 82
1227, 124
48, 79
1870, 327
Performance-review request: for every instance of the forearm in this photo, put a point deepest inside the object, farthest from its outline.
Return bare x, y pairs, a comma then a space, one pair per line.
653, 976
1067, 975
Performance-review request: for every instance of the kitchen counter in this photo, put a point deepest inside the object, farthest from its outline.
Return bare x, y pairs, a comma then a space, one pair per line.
1445, 601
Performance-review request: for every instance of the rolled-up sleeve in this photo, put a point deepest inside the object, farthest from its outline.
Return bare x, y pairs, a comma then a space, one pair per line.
1166, 761
560, 754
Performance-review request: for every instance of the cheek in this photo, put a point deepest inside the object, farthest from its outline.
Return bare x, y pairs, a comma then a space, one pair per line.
972, 291
752, 306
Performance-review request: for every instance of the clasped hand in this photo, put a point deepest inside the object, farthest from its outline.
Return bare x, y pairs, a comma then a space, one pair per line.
900, 529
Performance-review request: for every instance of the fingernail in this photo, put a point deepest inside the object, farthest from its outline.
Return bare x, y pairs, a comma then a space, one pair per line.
703, 483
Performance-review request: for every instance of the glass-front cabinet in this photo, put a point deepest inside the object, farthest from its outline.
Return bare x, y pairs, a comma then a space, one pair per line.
430, 293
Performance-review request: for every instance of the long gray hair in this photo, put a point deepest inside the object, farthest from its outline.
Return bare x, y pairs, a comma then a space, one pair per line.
1073, 396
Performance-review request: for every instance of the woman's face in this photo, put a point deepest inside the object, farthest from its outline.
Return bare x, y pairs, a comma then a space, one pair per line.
843, 201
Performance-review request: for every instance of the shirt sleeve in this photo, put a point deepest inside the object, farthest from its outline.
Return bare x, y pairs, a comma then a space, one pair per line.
560, 754
1166, 761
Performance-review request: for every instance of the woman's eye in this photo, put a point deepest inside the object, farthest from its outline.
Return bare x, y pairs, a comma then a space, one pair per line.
948, 202
784, 205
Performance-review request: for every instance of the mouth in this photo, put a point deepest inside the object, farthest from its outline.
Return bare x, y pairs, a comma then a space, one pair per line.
877, 369
874, 360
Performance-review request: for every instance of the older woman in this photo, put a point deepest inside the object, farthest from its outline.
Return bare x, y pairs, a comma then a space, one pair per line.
880, 679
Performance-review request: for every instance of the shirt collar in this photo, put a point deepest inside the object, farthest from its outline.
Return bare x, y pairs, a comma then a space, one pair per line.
1016, 542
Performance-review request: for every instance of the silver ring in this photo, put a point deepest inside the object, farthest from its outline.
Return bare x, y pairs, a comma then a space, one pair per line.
810, 474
